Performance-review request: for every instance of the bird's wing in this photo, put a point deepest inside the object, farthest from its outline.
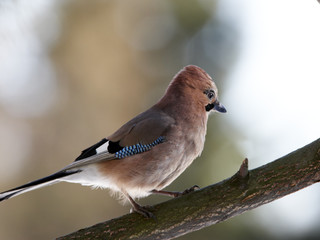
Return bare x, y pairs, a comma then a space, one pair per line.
144, 129
136, 136
103, 156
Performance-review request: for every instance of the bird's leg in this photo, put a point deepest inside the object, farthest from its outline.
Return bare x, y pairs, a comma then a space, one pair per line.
138, 208
176, 194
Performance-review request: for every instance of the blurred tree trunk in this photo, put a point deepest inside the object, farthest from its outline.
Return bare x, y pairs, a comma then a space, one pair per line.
213, 204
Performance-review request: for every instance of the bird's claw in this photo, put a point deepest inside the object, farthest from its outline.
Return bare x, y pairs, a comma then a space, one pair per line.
189, 190
192, 189
144, 211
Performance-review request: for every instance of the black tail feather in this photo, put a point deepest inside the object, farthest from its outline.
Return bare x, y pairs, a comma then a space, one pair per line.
27, 187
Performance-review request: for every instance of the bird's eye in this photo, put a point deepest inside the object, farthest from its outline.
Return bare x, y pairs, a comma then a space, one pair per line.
210, 94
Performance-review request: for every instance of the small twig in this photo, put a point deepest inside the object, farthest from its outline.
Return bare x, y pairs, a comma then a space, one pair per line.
244, 171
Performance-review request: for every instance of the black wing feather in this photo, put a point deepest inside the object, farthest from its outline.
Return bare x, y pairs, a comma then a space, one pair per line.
114, 147
90, 151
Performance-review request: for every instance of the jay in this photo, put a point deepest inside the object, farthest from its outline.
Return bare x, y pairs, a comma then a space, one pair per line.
151, 150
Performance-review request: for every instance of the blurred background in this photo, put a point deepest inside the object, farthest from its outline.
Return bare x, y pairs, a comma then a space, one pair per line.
72, 72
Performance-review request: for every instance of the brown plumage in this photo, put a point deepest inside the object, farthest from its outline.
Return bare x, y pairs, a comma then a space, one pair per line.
150, 151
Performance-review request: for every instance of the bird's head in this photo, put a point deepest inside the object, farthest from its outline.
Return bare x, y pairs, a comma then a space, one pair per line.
195, 83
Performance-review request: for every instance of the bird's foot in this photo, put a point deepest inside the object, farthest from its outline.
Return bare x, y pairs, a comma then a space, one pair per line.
140, 209
192, 189
143, 210
188, 190
177, 194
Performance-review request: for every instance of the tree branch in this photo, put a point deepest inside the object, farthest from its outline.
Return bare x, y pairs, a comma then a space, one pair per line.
213, 204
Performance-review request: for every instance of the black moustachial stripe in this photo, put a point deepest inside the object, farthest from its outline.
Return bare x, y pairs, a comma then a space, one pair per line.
209, 107
90, 151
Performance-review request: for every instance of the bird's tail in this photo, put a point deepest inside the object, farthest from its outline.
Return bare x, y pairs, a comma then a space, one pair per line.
46, 181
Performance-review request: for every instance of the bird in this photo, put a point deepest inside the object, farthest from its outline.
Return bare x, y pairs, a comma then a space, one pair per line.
151, 150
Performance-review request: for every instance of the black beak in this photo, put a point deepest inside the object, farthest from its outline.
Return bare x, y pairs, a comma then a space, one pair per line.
217, 106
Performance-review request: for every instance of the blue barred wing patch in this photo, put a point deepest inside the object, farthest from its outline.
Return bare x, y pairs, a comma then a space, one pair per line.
137, 148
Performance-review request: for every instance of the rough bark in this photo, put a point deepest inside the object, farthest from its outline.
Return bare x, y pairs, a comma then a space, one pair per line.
213, 204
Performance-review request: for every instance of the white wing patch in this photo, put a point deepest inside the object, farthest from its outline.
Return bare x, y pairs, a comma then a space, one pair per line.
103, 148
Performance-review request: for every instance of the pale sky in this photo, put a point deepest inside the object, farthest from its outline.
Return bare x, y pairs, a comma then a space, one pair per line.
273, 94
